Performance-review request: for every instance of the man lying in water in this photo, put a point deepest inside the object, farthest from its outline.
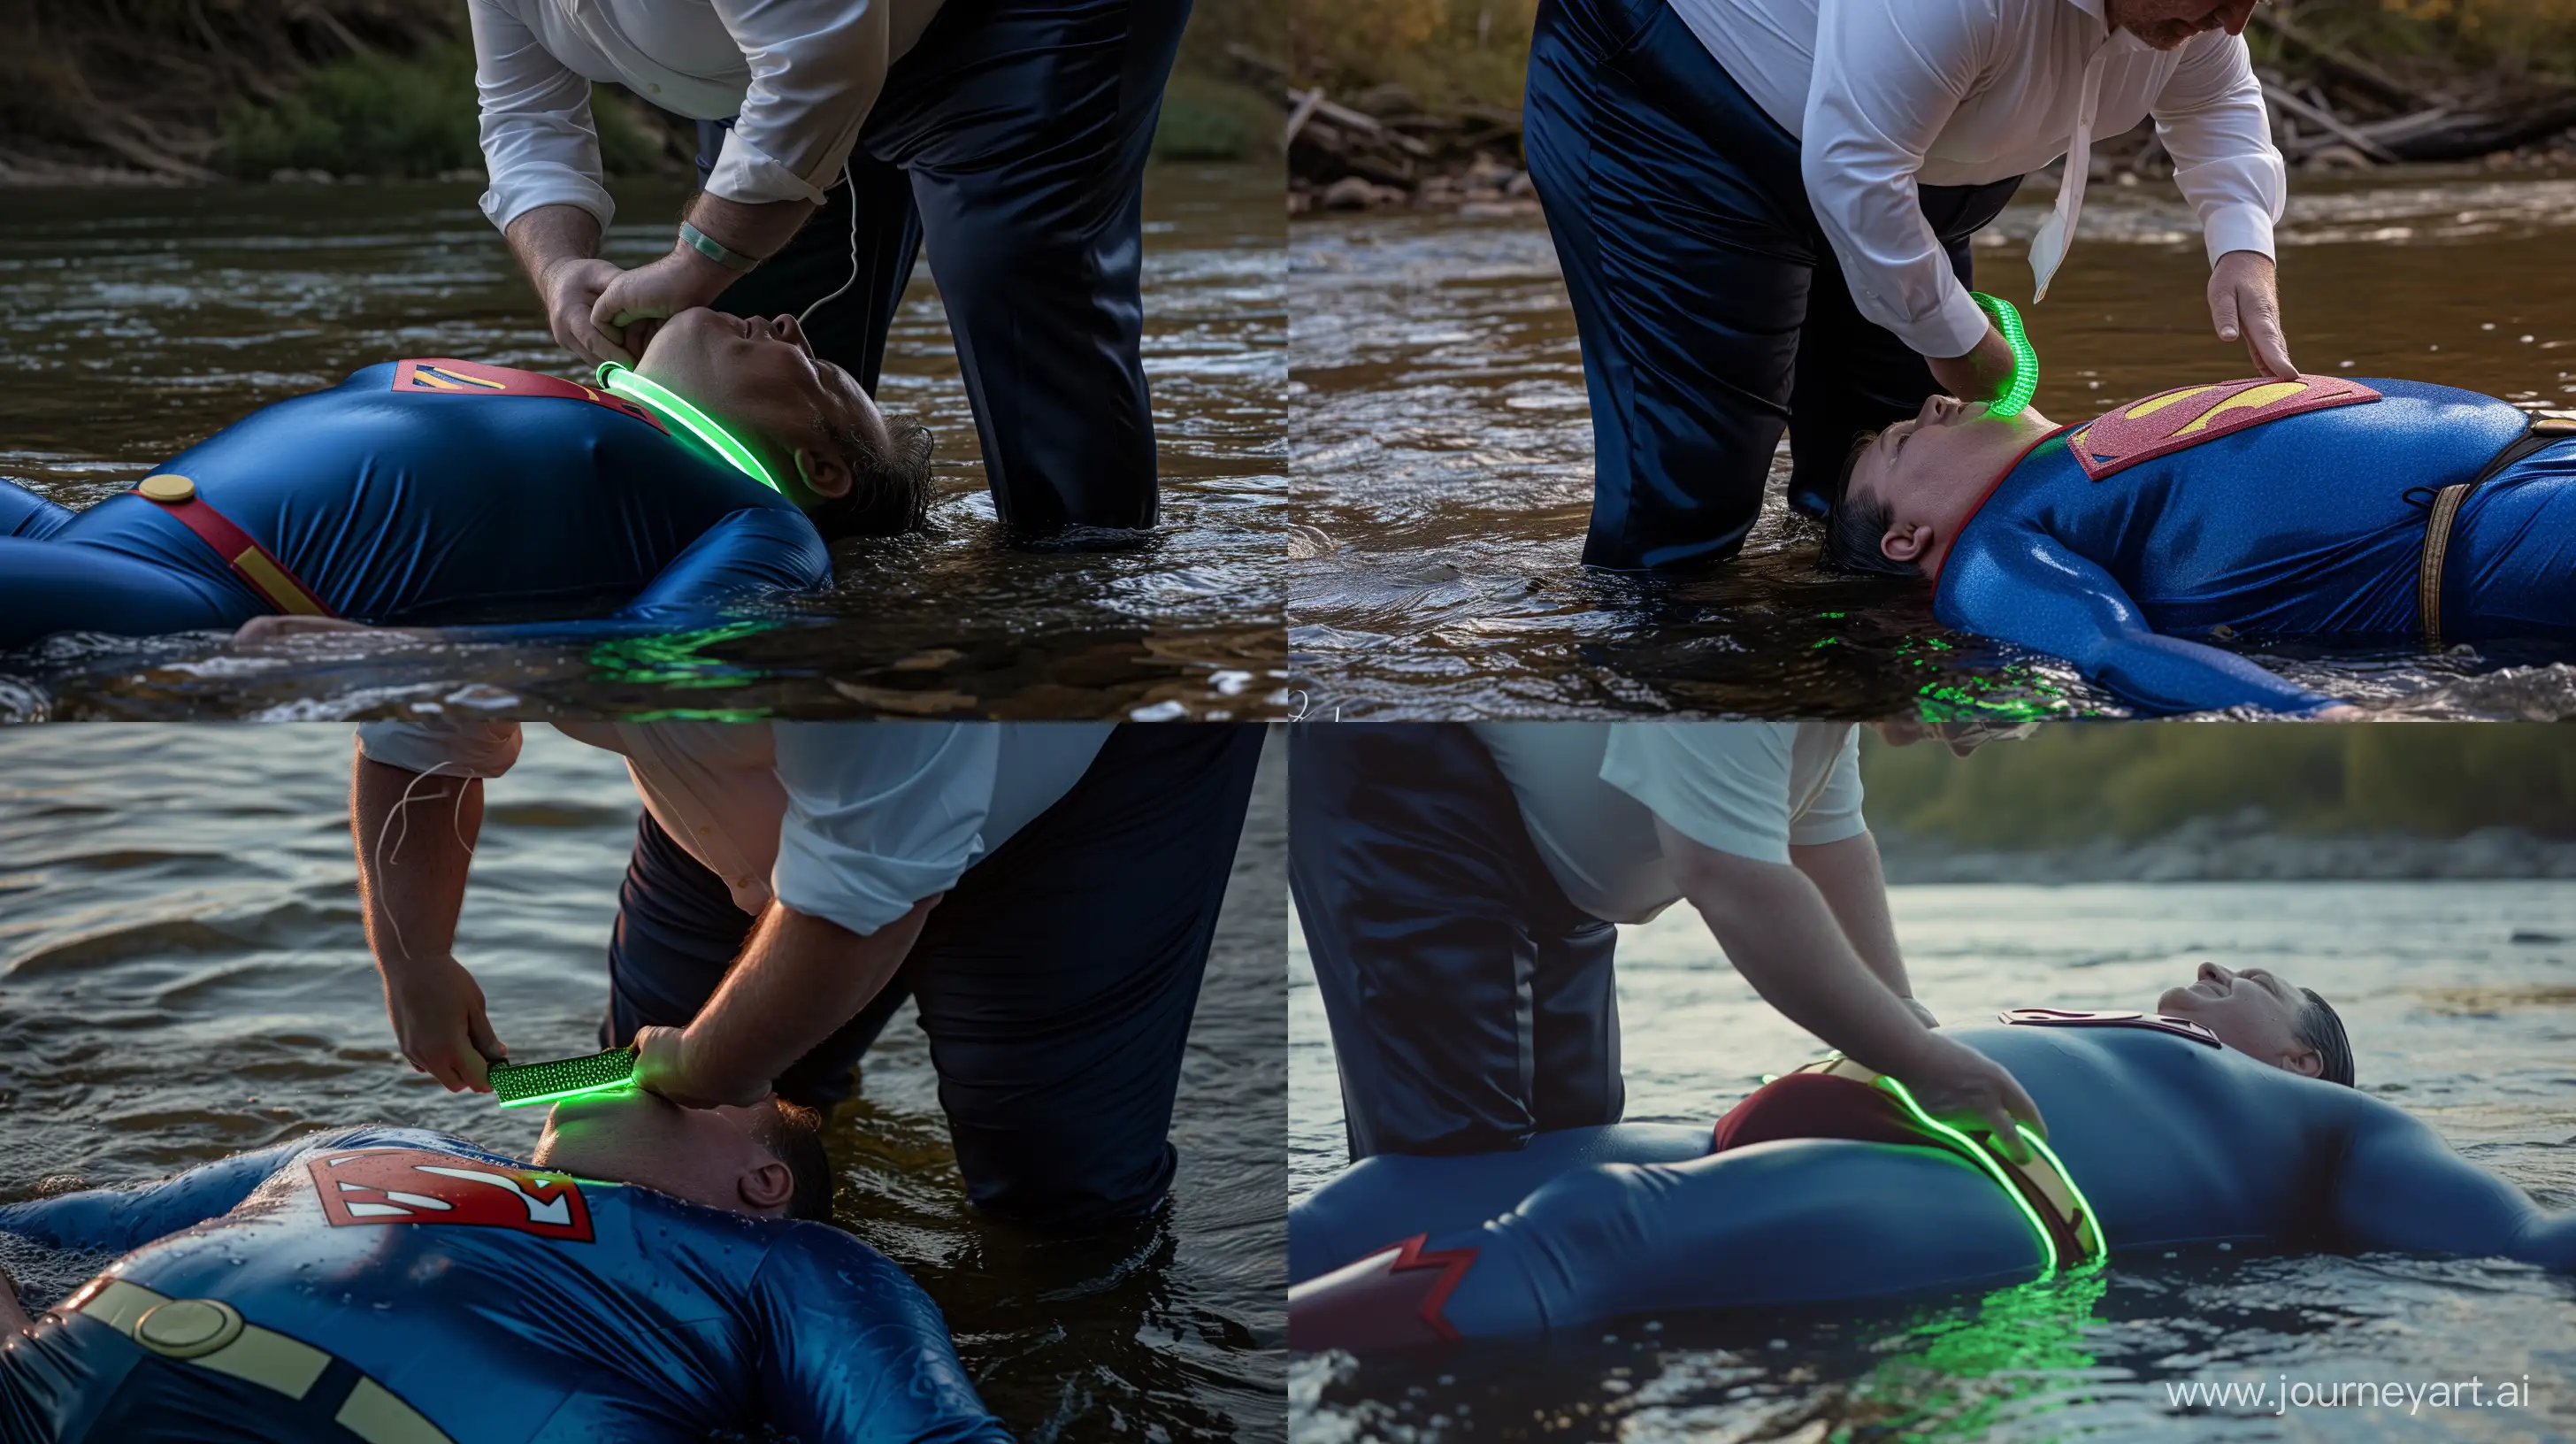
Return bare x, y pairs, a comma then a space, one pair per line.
2227, 1117
400, 1286
432, 491
2322, 507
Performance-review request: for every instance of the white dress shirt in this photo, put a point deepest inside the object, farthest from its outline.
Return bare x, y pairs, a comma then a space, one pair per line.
850, 821
801, 74
1886, 94
1590, 793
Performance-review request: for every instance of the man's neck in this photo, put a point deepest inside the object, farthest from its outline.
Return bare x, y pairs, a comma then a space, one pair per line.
1966, 487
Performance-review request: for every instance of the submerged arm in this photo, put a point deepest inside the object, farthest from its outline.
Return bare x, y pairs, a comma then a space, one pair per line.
2038, 594
2401, 1187
853, 1349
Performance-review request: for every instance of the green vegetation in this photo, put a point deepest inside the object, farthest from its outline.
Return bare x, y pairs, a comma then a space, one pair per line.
383, 115
1444, 53
2072, 782
1207, 117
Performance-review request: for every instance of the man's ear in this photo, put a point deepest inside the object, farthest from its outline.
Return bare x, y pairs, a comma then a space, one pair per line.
1905, 543
823, 472
768, 1185
2306, 1062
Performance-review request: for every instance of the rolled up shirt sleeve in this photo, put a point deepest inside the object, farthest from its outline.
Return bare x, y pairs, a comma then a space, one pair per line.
1888, 74
1834, 813
880, 814
449, 749
540, 144
2211, 119
817, 67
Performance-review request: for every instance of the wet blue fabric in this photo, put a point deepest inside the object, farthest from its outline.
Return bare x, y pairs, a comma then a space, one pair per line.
419, 508
1472, 1004
1712, 311
640, 1318
1010, 143
2174, 1143
2308, 526
1055, 981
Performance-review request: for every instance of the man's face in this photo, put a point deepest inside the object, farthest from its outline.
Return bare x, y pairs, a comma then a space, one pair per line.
2166, 24
705, 1155
762, 378
1933, 441
2253, 1012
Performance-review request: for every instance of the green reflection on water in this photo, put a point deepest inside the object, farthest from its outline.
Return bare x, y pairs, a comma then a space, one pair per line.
672, 660
1964, 1375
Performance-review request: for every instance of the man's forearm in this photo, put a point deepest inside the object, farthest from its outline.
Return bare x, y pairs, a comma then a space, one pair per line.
414, 835
754, 230
549, 235
1848, 874
798, 980
1778, 931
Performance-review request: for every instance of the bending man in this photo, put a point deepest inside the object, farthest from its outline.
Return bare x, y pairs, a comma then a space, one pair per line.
432, 492
1046, 892
2320, 507
2226, 1117
652, 1273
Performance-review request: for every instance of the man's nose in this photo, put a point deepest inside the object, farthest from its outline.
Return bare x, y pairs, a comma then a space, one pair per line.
2213, 973
786, 329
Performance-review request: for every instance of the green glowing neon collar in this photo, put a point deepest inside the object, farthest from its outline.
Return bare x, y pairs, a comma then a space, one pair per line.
523, 1085
2025, 372
670, 405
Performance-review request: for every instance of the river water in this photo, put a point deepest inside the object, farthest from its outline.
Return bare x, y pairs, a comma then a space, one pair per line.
1441, 451
182, 976
133, 323
2461, 1002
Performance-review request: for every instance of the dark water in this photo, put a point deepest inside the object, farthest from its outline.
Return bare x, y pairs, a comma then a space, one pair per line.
182, 975
134, 323
2461, 1001
1441, 449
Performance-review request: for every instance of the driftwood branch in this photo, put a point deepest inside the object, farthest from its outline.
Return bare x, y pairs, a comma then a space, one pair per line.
2344, 63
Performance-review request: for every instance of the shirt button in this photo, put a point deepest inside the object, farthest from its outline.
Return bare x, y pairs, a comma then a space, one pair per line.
651, 89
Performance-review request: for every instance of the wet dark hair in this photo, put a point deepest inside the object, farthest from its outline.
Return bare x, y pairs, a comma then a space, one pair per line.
793, 1134
889, 489
2321, 1028
1853, 527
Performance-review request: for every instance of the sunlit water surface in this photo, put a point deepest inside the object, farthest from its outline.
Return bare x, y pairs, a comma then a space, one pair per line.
1442, 453
182, 976
134, 323
2461, 1001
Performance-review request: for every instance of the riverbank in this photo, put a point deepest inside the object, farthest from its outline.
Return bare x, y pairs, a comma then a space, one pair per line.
1415, 104
2247, 846
305, 90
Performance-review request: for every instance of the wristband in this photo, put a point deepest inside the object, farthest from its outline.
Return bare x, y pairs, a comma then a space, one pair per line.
2025, 372
715, 250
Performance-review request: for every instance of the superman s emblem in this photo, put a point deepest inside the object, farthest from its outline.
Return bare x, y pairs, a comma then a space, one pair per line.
416, 1185
2186, 416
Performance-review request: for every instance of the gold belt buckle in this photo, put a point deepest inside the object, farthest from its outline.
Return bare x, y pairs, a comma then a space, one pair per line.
212, 1334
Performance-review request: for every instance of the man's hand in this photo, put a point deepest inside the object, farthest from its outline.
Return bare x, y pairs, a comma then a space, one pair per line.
571, 289
1966, 1089
439, 1024
1981, 374
636, 303
261, 631
2245, 304
662, 1066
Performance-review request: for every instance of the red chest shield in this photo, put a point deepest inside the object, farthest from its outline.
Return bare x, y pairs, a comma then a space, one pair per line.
470, 378
2075, 1018
2171, 421
415, 1185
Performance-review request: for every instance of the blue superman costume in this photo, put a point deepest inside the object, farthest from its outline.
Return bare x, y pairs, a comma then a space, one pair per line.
415, 492
1811, 1191
2321, 508
398, 1286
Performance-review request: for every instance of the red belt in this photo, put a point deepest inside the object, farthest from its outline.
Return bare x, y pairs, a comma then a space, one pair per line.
250, 561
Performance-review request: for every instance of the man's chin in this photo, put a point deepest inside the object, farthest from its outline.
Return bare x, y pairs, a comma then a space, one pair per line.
2176, 1002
